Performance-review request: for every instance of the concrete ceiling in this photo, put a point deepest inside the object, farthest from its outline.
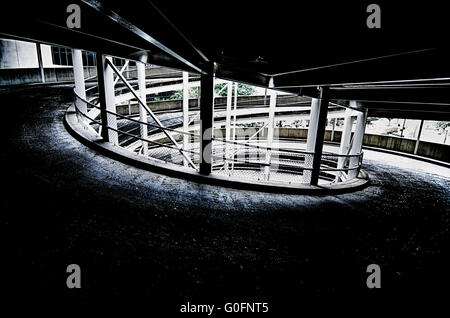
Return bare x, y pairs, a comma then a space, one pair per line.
301, 45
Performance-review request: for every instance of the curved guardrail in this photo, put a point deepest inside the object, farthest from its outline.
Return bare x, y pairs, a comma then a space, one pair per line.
246, 160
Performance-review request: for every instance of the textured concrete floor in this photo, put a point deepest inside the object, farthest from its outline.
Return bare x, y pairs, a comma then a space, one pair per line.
141, 235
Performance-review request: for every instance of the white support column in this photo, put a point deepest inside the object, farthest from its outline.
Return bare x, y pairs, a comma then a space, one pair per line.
344, 148
233, 136
142, 111
41, 64
416, 147
186, 138
311, 139
357, 142
206, 119
270, 128
78, 74
316, 133
110, 103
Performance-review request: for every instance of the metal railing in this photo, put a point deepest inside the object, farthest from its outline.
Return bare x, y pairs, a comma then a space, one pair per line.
243, 159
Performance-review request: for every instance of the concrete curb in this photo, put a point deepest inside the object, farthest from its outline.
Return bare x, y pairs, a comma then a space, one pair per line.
93, 141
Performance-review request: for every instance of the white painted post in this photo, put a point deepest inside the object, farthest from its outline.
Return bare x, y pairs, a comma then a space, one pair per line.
344, 148
186, 138
110, 102
234, 119
228, 147
357, 142
234, 109
78, 74
270, 128
142, 111
228, 111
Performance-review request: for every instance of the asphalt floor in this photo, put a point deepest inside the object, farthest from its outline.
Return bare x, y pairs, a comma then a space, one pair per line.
153, 238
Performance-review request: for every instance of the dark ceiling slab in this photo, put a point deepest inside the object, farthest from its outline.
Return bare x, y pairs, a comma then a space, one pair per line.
301, 44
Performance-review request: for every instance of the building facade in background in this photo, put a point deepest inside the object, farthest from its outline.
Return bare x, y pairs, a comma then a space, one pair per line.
19, 63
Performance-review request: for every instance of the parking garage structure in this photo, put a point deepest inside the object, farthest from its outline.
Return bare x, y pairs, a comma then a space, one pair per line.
253, 161
159, 186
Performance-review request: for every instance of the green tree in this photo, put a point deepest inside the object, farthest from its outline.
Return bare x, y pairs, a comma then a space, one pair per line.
178, 94
243, 89
443, 124
371, 119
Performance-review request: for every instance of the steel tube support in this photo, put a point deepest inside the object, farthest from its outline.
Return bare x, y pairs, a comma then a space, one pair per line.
316, 132
206, 120
228, 111
142, 111
228, 149
78, 74
234, 110
234, 119
185, 113
270, 128
357, 141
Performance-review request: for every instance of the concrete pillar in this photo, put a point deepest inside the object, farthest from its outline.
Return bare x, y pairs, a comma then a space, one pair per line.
142, 111
357, 142
78, 74
41, 65
206, 120
416, 147
186, 138
346, 137
270, 128
107, 99
316, 132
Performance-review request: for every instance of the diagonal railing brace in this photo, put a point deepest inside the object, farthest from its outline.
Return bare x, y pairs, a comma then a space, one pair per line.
150, 112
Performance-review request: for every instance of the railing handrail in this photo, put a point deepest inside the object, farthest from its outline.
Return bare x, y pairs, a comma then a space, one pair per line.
245, 146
